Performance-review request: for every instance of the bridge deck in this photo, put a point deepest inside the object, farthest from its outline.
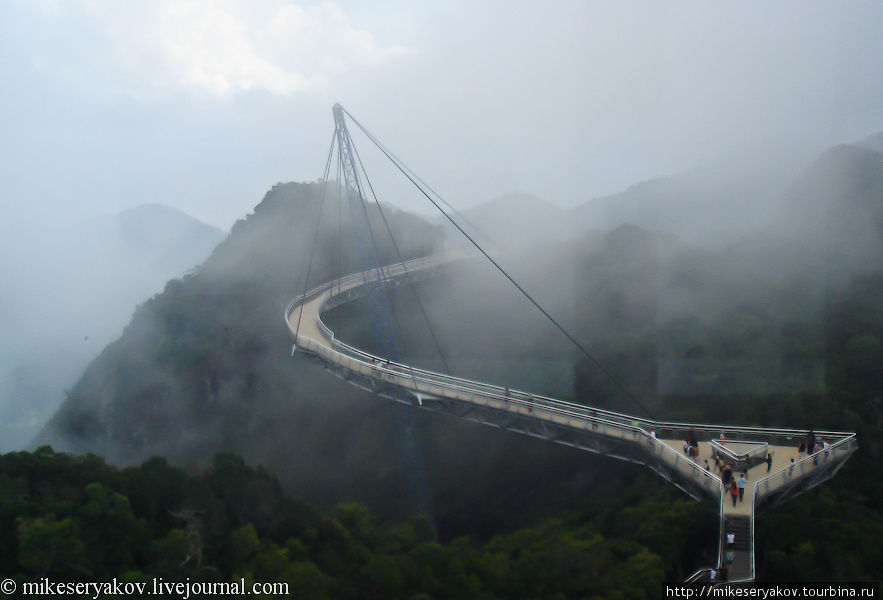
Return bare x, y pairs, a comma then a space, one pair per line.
782, 456
607, 432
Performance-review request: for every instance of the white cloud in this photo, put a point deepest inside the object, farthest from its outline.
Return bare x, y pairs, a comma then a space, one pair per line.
274, 46
220, 47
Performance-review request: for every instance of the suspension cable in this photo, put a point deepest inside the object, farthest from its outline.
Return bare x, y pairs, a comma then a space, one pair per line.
548, 316
338, 259
404, 268
389, 153
315, 235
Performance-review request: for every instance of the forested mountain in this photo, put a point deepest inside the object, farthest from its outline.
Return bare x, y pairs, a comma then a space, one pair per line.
758, 332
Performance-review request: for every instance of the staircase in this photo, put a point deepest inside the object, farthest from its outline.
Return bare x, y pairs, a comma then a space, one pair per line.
741, 526
741, 566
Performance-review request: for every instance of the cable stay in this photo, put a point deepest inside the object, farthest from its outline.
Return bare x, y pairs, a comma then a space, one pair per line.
409, 173
428, 193
401, 261
317, 227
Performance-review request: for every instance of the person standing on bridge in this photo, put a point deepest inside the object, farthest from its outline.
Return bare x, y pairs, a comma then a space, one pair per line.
734, 491
741, 484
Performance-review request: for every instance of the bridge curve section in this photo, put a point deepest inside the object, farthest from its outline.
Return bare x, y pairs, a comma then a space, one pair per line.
655, 444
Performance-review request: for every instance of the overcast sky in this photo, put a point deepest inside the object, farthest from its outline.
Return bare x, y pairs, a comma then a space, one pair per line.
204, 104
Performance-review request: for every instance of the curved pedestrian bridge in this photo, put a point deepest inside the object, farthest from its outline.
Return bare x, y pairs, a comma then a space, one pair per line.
655, 444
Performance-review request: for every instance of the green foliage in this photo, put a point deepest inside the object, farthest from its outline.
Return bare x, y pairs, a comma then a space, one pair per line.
232, 522
47, 546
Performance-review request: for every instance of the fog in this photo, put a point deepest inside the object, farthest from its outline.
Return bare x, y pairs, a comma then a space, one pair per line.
76, 287
203, 106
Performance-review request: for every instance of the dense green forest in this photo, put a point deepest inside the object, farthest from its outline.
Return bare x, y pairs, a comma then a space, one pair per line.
79, 519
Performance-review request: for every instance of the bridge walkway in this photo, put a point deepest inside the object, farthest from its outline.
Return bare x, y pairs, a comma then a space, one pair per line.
655, 444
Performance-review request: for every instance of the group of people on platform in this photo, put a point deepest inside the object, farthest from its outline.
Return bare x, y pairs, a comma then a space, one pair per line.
691, 446
814, 445
735, 486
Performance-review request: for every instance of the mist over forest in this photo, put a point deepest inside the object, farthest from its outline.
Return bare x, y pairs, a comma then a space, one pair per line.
693, 192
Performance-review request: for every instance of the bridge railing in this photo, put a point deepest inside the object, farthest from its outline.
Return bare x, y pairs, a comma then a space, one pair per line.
662, 428
572, 415
774, 482
781, 436
667, 429
431, 387
703, 573
431, 382
741, 460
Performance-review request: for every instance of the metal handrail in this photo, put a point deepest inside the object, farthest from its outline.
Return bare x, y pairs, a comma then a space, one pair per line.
638, 426
647, 423
787, 473
720, 534
697, 575
744, 460
723, 449
632, 433
630, 428
400, 269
